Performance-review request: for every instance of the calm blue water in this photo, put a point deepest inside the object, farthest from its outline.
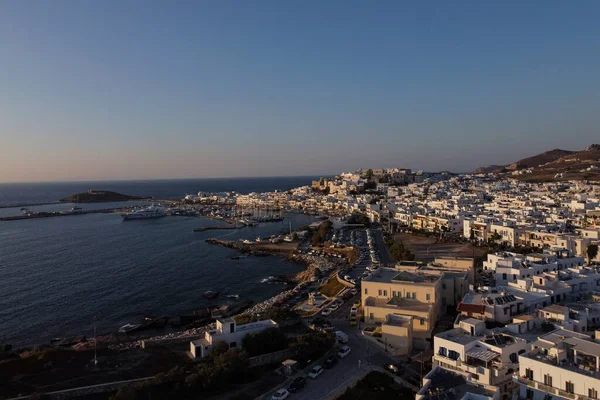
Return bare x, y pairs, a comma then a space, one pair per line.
57, 273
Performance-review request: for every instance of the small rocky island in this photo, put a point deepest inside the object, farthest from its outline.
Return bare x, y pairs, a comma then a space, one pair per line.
99, 196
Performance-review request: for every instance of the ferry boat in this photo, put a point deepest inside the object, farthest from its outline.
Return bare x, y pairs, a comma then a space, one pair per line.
150, 212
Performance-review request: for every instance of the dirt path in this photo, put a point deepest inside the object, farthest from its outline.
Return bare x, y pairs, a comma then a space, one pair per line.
426, 249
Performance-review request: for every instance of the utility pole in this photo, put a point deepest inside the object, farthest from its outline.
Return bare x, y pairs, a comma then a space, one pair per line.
95, 353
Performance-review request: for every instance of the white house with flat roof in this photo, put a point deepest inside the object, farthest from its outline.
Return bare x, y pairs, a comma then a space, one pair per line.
561, 365
484, 357
229, 332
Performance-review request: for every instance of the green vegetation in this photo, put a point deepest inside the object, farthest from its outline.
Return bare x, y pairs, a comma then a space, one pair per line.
213, 373
319, 236
313, 346
268, 341
398, 251
592, 252
331, 288
377, 385
223, 368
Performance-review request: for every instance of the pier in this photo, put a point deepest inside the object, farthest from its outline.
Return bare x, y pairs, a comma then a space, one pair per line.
213, 228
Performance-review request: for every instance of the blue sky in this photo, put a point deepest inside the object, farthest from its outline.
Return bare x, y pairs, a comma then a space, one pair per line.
149, 89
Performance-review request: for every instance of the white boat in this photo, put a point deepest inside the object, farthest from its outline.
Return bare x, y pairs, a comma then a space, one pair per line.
128, 328
150, 212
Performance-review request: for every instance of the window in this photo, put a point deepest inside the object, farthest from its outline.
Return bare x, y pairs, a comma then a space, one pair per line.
408, 295
443, 351
371, 316
506, 311
380, 292
443, 286
414, 295
513, 357
547, 380
569, 387
529, 374
529, 394
593, 393
453, 355
503, 277
428, 296
385, 293
393, 293
366, 291
422, 322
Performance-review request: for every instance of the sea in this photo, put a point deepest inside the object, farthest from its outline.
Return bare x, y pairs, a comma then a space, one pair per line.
58, 274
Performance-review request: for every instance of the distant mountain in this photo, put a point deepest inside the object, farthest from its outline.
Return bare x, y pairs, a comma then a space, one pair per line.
98, 196
555, 164
529, 162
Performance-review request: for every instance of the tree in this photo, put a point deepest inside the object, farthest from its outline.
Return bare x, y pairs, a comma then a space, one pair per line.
592, 252
369, 173
219, 348
268, 341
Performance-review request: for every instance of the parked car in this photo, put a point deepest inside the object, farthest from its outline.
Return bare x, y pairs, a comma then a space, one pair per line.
281, 394
333, 306
354, 291
297, 385
353, 310
352, 321
339, 302
344, 351
341, 337
330, 362
393, 368
357, 303
315, 372
326, 311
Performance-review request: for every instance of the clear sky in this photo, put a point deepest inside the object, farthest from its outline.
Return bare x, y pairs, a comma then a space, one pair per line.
118, 89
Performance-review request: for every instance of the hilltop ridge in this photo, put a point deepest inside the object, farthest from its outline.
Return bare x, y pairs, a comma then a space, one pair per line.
556, 164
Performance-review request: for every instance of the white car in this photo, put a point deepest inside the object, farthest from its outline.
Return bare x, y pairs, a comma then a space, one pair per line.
326, 311
354, 291
333, 307
280, 395
344, 351
315, 371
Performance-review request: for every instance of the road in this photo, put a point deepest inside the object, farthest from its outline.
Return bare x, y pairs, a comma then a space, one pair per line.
363, 355
384, 254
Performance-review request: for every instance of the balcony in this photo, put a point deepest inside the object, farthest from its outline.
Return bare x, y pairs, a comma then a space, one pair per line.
546, 388
567, 395
526, 381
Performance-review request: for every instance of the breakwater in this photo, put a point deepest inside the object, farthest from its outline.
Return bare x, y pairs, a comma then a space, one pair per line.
44, 214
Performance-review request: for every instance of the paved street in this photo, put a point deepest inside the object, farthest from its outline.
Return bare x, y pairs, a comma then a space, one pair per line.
346, 369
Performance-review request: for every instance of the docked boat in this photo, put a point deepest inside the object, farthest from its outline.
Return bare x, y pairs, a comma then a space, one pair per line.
209, 294
76, 209
127, 328
146, 213
233, 296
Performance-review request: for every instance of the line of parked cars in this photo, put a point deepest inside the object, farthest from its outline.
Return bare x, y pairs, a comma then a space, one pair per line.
317, 370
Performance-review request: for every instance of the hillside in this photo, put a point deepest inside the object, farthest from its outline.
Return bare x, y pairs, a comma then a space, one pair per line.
98, 196
554, 165
529, 162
